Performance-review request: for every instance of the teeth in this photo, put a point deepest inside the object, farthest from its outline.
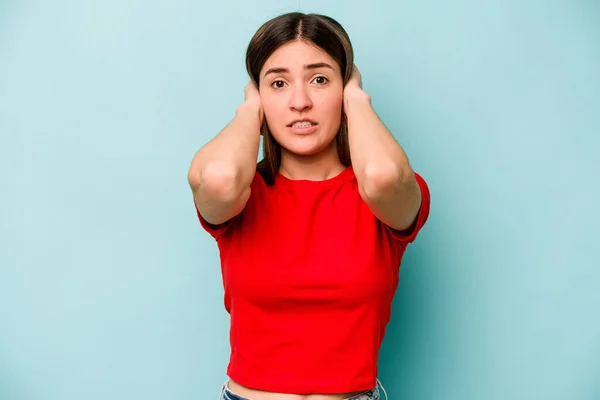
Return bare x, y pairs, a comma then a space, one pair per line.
303, 124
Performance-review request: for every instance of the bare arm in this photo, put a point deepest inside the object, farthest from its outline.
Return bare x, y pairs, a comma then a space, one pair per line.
385, 178
222, 170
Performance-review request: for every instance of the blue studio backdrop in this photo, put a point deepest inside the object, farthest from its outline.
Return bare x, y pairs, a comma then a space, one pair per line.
109, 288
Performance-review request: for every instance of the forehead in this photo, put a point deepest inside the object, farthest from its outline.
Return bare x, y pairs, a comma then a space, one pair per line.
295, 55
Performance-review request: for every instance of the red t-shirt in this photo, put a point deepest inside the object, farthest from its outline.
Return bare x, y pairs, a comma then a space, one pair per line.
309, 275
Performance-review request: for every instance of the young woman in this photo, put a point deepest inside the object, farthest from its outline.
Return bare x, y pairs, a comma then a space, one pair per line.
310, 238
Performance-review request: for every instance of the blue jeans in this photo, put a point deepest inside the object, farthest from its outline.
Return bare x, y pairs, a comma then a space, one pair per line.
372, 394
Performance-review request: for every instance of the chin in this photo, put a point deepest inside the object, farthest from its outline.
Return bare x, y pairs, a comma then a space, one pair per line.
306, 147
305, 152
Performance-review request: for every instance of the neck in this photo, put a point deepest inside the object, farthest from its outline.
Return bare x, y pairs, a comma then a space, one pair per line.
317, 167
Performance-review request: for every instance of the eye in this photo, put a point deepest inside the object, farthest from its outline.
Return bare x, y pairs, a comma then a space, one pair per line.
278, 84
321, 80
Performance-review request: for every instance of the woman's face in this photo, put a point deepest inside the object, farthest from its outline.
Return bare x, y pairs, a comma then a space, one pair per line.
299, 82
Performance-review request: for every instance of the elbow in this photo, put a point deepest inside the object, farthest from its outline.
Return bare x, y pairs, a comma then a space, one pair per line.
216, 181
382, 181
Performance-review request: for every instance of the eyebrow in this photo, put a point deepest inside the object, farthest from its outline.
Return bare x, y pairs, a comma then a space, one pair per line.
306, 67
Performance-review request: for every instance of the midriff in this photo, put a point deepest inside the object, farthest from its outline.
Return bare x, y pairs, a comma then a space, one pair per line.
253, 394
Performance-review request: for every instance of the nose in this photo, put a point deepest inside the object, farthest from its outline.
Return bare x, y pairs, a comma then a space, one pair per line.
300, 99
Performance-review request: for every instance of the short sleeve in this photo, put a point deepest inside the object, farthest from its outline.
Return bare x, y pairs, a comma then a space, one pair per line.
257, 189
214, 230
410, 234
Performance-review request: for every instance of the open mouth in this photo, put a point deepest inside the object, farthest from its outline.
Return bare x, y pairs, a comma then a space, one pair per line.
303, 126
303, 123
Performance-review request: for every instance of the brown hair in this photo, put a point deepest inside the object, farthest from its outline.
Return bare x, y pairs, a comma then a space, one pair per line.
322, 31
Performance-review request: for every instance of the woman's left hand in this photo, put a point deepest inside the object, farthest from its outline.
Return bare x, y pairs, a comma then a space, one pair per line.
354, 85
355, 78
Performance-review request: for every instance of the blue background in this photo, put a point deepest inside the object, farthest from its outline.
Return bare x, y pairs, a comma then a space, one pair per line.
109, 289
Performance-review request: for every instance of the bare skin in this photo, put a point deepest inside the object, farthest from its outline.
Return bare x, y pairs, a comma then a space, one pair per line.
260, 395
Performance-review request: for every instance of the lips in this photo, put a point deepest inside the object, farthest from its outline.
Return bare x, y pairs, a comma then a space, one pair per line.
303, 129
302, 120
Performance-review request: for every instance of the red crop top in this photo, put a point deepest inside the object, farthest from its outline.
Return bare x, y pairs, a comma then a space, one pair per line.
309, 276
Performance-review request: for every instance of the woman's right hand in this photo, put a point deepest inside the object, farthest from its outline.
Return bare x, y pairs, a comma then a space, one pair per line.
252, 97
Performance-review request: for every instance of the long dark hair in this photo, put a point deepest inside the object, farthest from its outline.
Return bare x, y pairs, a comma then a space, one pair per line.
320, 30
